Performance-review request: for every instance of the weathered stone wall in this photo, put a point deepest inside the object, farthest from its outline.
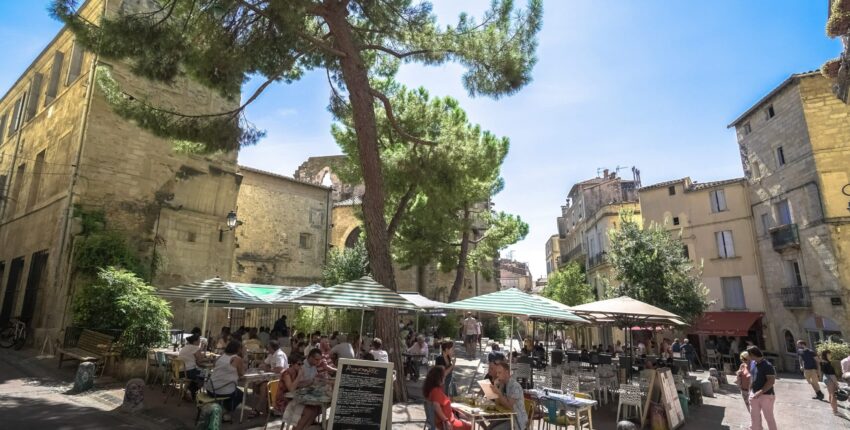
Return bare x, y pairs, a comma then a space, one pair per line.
811, 127
276, 211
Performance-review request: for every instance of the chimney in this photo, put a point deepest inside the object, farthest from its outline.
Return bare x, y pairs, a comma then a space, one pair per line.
605, 173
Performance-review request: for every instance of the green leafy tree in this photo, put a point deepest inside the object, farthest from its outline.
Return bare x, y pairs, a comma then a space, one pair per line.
221, 43
838, 69
345, 265
569, 286
652, 267
437, 196
120, 300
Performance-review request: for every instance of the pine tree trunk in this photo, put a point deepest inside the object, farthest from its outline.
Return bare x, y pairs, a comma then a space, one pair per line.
355, 75
461, 263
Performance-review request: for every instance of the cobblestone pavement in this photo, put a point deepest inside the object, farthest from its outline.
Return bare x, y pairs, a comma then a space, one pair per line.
33, 394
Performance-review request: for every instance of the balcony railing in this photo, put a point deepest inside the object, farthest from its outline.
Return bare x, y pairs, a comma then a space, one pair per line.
785, 236
596, 260
796, 297
571, 255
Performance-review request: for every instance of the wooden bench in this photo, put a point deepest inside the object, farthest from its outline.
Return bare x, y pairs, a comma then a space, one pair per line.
92, 346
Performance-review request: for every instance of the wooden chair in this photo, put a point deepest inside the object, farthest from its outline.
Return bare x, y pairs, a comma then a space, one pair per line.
178, 384
272, 398
534, 413
204, 397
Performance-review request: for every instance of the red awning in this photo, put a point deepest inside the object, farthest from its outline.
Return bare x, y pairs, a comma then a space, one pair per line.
726, 323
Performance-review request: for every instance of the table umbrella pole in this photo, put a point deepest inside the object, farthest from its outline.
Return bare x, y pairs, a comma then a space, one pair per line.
362, 315
206, 308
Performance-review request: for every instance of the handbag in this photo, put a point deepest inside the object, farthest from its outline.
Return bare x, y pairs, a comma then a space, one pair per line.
842, 394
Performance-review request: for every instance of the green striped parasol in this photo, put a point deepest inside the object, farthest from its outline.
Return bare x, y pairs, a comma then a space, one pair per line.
516, 303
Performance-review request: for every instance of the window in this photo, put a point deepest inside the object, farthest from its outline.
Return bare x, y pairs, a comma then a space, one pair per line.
790, 343
725, 247
35, 183
780, 156
686, 252
16, 187
783, 213
747, 128
32, 98
733, 293
756, 170
675, 220
765, 222
671, 190
769, 113
16, 116
718, 200
55, 74
3, 126
305, 241
76, 66
795, 279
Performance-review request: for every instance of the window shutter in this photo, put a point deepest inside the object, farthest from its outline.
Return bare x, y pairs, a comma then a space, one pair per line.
733, 293
730, 247
32, 99
55, 73
3, 126
721, 249
76, 66
16, 116
721, 200
713, 197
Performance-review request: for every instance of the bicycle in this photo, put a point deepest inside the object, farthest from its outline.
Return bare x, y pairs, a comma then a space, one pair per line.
14, 335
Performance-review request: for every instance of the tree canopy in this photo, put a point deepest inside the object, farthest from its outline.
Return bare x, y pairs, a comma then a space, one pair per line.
569, 286
346, 264
438, 196
222, 43
652, 267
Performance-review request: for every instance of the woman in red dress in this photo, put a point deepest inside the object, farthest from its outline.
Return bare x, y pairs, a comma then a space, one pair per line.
441, 403
287, 381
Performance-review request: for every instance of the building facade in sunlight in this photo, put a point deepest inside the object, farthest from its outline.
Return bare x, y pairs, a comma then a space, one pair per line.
796, 158
65, 154
714, 222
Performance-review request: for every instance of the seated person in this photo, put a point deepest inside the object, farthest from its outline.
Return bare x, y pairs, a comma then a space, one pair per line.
225, 376
510, 396
378, 352
309, 374
343, 349
495, 353
417, 351
253, 343
275, 362
192, 355
433, 391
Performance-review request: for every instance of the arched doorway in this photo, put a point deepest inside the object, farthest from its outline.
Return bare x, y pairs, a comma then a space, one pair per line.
352, 238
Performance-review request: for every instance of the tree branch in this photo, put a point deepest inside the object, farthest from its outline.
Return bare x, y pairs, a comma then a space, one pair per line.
402, 55
315, 41
402, 207
392, 119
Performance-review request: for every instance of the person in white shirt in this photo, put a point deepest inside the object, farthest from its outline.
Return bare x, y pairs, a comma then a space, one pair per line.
191, 355
568, 343
343, 349
275, 362
845, 369
470, 334
378, 352
418, 351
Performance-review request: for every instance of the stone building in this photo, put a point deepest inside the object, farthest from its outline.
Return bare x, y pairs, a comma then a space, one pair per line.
591, 211
283, 239
346, 227
553, 254
796, 158
63, 151
515, 274
714, 222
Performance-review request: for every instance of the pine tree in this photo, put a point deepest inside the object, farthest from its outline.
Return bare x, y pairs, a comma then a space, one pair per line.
221, 43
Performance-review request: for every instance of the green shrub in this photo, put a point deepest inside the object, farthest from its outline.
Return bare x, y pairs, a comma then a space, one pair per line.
839, 350
118, 299
448, 327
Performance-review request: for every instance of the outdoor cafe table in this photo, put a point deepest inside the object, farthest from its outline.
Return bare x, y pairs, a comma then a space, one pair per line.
253, 376
484, 413
311, 397
575, 404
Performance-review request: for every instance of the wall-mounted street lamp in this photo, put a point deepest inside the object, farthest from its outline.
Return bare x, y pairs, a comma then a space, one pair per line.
846, 191
232, 222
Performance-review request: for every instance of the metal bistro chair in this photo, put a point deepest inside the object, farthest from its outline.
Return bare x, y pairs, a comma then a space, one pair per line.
589, 383
522, 374
161, 369
630, 398
272, 398
607, 381
204, 397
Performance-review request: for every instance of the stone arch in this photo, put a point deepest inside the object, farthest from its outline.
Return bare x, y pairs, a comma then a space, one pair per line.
352, 237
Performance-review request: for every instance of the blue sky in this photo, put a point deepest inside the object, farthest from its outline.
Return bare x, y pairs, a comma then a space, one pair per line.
650, 83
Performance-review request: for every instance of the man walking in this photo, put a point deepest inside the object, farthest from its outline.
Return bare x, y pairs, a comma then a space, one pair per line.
810, 367
762, 396
470, 334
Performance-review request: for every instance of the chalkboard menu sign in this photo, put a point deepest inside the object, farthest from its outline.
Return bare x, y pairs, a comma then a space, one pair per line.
362, 393
670, 399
